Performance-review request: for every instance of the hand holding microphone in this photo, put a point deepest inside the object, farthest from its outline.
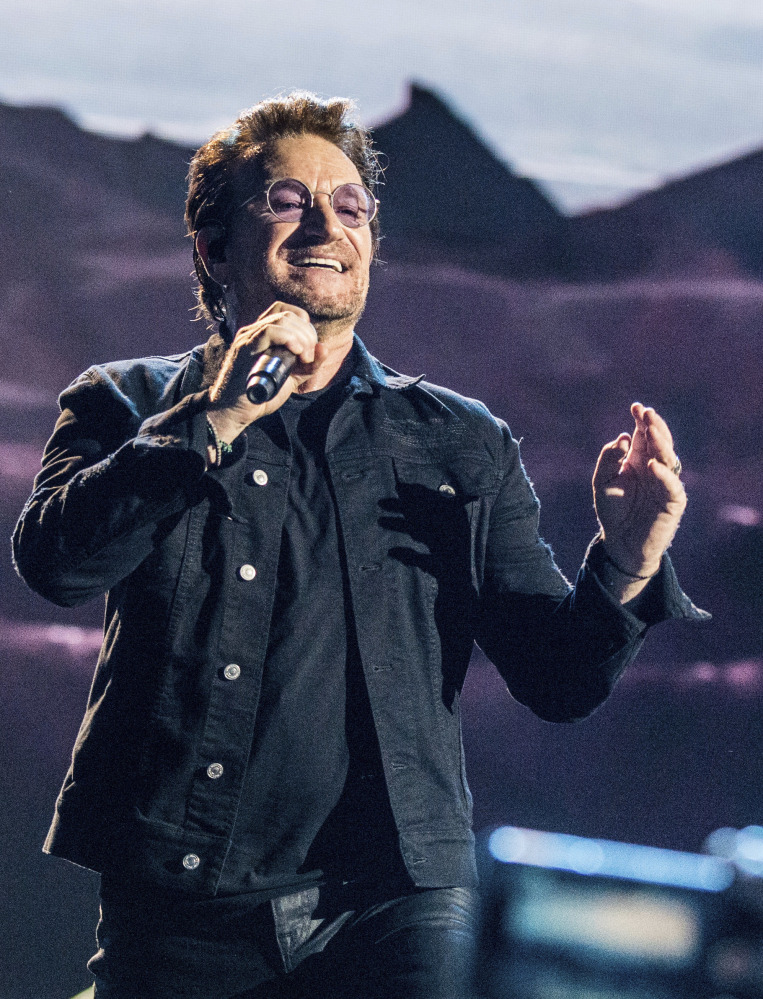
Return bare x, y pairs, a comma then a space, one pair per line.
252, 381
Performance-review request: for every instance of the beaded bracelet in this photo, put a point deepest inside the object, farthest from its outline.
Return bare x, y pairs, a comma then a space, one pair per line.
630, 575
222, 448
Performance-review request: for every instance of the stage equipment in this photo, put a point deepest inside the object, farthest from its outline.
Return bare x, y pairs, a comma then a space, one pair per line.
571, 918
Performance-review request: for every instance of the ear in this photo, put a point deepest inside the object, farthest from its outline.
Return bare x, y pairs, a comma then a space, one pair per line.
210, 246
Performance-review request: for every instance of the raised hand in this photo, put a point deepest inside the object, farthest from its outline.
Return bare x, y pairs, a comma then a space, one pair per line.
638, 495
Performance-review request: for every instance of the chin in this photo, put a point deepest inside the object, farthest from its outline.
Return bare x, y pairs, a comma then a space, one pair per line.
325, 308
334, 310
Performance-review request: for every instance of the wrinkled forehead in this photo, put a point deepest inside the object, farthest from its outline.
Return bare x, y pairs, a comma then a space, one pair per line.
310, 158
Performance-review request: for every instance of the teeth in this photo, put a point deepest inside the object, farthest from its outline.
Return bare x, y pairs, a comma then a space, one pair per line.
320, 262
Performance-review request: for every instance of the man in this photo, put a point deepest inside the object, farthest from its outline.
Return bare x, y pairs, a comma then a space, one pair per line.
269, 774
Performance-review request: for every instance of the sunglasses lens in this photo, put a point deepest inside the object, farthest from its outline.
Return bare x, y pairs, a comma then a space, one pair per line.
354, 205
288, 200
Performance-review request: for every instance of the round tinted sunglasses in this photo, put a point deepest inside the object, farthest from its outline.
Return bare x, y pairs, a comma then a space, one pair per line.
290, 199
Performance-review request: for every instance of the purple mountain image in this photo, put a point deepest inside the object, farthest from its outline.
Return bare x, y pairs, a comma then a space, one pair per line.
557, 323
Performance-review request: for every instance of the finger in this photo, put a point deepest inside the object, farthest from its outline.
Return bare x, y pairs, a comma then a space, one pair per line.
637, 411
610, 461
612, 454
283, 329
293, 333
303, 370
652, 438
285, 319
278, 313
290, 315
639, 449
659, 439
277, 307
653, 425
669, 483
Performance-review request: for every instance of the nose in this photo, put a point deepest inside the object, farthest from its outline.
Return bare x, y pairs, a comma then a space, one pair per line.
321, 220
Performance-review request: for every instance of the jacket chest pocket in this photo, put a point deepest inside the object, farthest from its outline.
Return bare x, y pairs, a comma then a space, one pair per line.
432, 523
435, 510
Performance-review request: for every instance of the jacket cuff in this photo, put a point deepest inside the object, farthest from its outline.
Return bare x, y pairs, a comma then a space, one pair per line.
184, 426
662, 599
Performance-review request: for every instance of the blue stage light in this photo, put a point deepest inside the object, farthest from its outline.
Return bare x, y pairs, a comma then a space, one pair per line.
606, 858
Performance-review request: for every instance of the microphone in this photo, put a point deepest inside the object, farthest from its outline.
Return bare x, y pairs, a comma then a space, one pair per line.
268, 374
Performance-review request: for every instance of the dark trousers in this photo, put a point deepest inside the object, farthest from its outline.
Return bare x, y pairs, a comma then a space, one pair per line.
327, 943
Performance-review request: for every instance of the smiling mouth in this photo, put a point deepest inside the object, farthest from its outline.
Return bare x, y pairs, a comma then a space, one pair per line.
325, 262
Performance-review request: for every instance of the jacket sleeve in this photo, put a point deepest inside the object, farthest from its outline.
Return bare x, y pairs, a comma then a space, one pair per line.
560, 649
110, 475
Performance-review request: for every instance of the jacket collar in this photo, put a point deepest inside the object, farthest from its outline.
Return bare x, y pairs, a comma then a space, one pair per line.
370, 375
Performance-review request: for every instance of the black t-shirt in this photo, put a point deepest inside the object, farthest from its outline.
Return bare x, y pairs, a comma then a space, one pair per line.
314, 803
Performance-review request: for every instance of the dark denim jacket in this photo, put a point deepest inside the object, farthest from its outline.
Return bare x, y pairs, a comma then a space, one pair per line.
439, 527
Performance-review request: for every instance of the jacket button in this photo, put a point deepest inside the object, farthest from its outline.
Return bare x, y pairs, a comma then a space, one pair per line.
260, 477
215, 770
247, 572
232, 671
191, 861
446, 489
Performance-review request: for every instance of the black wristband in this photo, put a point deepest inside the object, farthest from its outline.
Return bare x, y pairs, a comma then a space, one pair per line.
630, 575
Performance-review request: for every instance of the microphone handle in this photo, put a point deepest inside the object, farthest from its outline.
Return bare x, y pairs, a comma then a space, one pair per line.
268, 374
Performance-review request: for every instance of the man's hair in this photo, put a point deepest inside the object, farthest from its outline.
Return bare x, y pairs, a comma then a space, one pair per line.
216, 168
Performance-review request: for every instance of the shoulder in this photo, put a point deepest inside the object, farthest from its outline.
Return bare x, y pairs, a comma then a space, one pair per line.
459, 421
458, 414
143, 385
416, 391
461, 406
152, 372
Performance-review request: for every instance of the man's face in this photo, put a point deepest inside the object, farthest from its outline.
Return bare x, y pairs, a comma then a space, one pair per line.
315, 263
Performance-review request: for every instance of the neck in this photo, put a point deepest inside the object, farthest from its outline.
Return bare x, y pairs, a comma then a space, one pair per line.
329, 355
